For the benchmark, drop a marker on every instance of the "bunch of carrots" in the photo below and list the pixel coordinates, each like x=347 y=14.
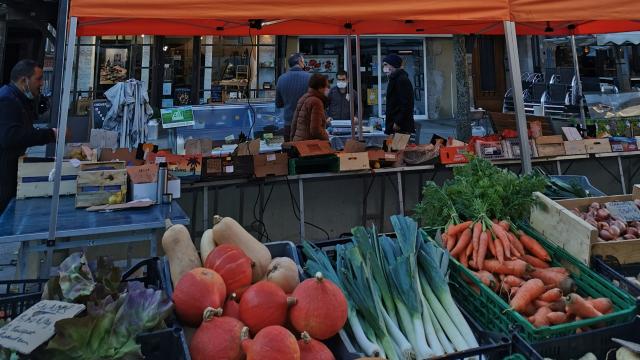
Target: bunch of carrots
x=517 y=267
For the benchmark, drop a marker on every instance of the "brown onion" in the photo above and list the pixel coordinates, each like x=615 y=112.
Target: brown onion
x=614 y=231
x=633 y=231
x=606 y=235
x=620 y=225
x=594 y=205
x=602 y=214
x=603 y=225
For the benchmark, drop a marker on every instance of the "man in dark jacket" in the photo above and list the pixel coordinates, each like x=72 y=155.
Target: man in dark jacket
x=290 y=88
x=399 y=111
x=339 y=98
x=17 y=114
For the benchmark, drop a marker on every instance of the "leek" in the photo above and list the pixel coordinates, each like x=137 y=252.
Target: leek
x=428 y=322
x=446 y=344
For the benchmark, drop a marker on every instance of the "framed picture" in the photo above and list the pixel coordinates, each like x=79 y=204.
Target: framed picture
x=113 y=65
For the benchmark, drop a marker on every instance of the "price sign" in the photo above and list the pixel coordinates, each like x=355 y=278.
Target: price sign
x=624 y=210
x=36 y=325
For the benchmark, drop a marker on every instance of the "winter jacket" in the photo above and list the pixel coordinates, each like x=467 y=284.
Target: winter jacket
x=339 y=108
x=289 y=89
x=309 y=119
x=399 y=103
x=17 y=114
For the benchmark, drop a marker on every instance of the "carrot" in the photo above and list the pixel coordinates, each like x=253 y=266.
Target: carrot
x=534 y=261
x=464 y=260
x=528 y=292
x=534 y=247
x=491 y=242
x=539 y=303
x=504 y=224
x=462 y=243
x=499 y=250
x=487 y=278
x=513 y=291
x=512 y=267
x=482 y=250
x=475 y=239
x=549 y=277
x=455 y=230
x=451 y=242
x=512 y=280
x=501 y=234
x=445 y=240
x=557 y=305
x=515 y=254
x=515 y=242
x=560 y=270
x=539 y=319
x=551 y=295
x=580 y=307
x=529 y=310
x=556 y=317
x=603 y=305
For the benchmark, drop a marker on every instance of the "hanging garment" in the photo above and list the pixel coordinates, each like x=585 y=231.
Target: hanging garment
x=129 y=112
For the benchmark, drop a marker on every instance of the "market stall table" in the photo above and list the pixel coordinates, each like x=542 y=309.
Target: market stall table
x=372 y=139
x=26 y=221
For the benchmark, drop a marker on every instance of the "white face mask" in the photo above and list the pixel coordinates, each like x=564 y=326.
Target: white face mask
x=341 y=84
x=27 y=91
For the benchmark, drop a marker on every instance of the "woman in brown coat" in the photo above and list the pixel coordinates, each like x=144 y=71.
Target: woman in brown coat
x=309 y=119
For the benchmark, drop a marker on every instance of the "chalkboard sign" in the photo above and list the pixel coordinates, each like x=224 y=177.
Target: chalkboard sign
x=624 y=210
x=99 y=111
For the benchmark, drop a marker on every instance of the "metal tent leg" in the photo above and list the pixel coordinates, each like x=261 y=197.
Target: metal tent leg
x=301 y=195
x=518 y=99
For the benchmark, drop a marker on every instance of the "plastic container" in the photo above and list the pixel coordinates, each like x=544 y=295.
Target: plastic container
x=617 y=273
x=495 y=314
x=283 y=249
x=152 y=129
x=492 y=345
x=583 y=181
x=167 y=344
x=597 y=342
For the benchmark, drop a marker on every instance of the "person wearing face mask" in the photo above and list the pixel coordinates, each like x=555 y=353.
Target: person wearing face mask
x=310 y=119
x=399 y=110
x=290 y=88
x=17 y=115
x=339 y=98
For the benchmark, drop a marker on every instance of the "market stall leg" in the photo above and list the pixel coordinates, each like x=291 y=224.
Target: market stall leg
x=622 y=181
x=400 y=194
x=301 y=202
x=205 y=208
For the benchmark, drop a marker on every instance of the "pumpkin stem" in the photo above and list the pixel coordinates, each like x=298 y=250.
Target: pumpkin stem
x=291 y=301
x=217 y=219
x=319 y=276
x=253 y=264
x=244 y=334
x=167 y=224
x=305 y=337
x=209 y=313
x=233 y=297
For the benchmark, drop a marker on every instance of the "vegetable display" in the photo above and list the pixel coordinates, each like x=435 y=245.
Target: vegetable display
x=264 y=304
x=284 y=273
x=227 y=333
x=399 y=304
x=230 y=262
x=609 y=227
x=197 y=291
x=271 y=343
x=180 y=251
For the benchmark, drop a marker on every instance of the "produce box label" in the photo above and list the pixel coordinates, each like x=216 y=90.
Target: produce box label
x=36 y=325
x=624 y=210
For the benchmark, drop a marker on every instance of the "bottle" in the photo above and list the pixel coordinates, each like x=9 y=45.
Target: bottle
x=152 y=130
x=163 y=174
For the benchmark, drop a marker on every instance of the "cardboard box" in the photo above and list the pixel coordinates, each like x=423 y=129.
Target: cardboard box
x=549 y=146
x=622 y=144
x=308 y=148
x=556 y=222
x=552 y=139
x=211 y=167
x=597 y=146
x=354 y=161
x=575 y=147
x=276 y=164
x=33 y=178
x=148 y=190
x=178 y=165
x=490 y=149
x=126 y=155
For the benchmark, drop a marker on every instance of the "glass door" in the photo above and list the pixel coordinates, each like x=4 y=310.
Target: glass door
x=177 y=67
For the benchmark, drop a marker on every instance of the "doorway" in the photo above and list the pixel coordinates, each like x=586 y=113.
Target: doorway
x=489 y=84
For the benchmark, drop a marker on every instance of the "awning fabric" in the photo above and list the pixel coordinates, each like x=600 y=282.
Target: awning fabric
x=627 y=38
x=328 y=17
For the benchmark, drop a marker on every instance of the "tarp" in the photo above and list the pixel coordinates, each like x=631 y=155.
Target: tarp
x=627 y=38
x=287 y=17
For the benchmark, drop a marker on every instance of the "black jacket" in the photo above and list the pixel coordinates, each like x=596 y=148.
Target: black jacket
x=17 y=114
x=339 y=106
x=399 y=103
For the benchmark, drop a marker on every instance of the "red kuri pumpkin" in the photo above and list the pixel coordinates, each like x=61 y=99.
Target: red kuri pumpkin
x=311 y=349
x=232 y=264
x=271 y=343
x=231 y=307
x=321 y=308
x=196 y=291
x=217 y=338
x=264 y=304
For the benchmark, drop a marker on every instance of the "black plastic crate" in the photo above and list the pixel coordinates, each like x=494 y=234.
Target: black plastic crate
x=281 y=249
x=492 y=345
x=596 y=341
x=167 y=344
x=610 y=268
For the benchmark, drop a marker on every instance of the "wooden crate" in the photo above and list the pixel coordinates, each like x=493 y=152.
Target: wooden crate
x=556 y=221
x=33 y=178
x=597 y=146
x=575 y=147
x=270 y=165
x=552 y=145
x=97 y=182
x=354 y=161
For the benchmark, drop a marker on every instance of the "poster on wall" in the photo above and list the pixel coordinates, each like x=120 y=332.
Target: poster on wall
x=113 y=65
x=321 y=64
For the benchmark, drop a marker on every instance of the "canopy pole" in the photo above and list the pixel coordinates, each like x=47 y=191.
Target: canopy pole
x=63 y=114
x=350 y=65
x=576 y=67
x=61 y=38
x=518 y=98
x=359 y=78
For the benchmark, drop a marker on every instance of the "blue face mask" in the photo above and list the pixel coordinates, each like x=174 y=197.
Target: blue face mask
x=27 y=91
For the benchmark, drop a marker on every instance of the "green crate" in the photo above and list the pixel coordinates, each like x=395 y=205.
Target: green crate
x=494 y=313
x=515 y=357
x=314 y=164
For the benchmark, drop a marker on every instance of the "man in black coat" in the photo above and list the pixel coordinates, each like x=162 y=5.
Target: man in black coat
x=17 y=114
x=399 y=111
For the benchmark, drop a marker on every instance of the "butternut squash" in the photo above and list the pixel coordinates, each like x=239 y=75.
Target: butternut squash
x=180 y=251
x=284 y=272
x=227 y=231
x=206 y=245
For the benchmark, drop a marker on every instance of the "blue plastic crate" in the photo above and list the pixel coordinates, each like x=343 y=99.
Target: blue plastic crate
x=617 y=273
